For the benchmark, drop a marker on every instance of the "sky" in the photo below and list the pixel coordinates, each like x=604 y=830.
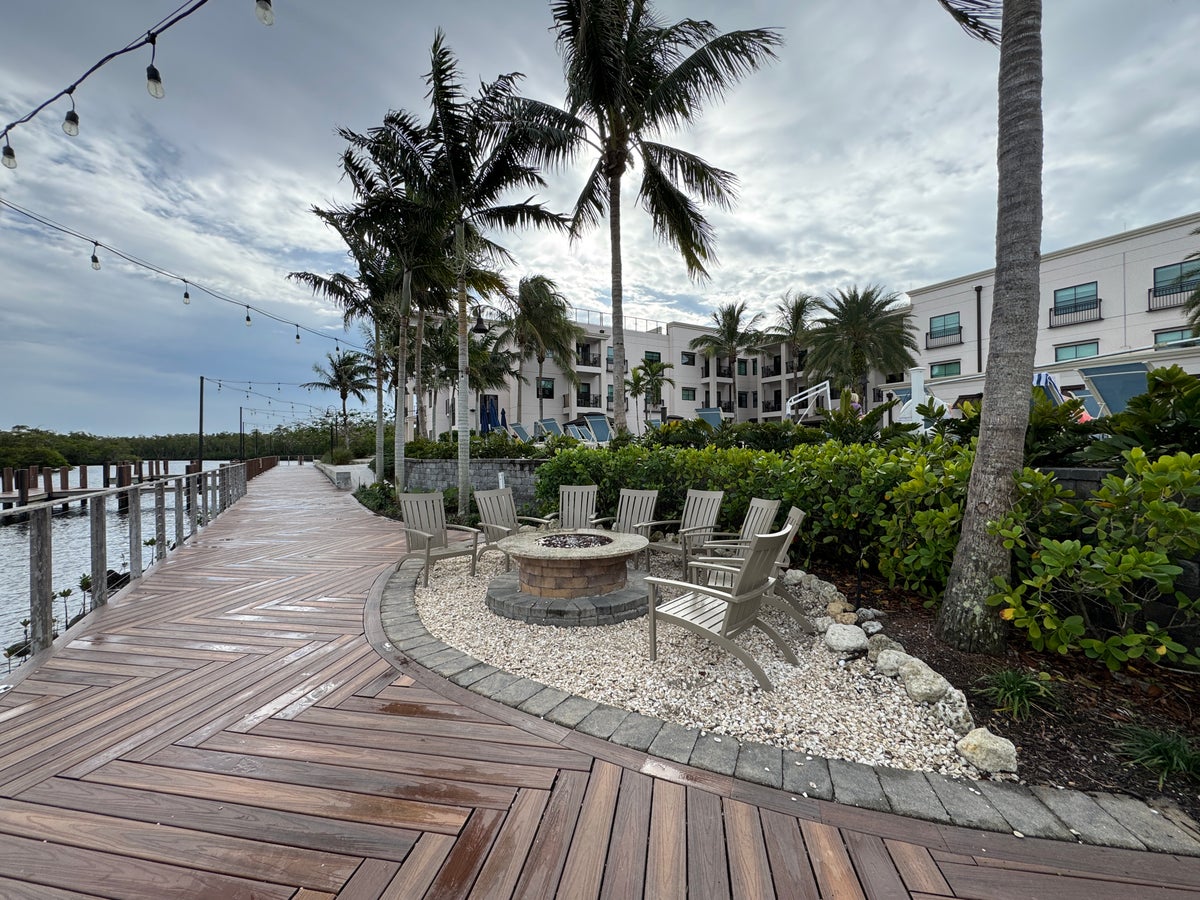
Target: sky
x=865 y=154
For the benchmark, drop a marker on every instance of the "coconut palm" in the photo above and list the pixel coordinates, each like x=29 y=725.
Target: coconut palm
x=654 y=378
x=538 y=325
x=629 y=77
x=348 y=375
x=793 y=315
x=1192 y=306
x=731 y=336
x=965 y=620
x=484 y=147
x=862 y=330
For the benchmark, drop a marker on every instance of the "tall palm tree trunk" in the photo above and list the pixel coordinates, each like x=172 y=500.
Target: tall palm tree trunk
x=464 y=435
x=520 y=386
x=420 y=428
x=379 y=373
x=965 y=621
x=618 y=315
x=401 y=436
x=541 y=400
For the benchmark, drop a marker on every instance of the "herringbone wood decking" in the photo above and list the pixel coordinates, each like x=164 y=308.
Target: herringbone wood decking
x=226 y=730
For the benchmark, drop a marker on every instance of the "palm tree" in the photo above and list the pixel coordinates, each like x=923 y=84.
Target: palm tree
x=629 y=77
x=538 y=325
x=730 y=338
x=654 y=377
x=349 y=375
x=965 y=621
x=1192 y=306
x=635 y=385
x=483 y=147
x=793 y=312
x=863 y=330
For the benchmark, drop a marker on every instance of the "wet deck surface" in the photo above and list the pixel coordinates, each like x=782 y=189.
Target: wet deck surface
x=225 y=729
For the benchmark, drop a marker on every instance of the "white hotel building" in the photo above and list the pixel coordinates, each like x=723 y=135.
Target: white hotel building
x=1110 y=302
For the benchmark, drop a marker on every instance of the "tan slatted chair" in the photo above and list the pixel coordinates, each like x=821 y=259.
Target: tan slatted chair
x=719 y=614
x=700 y=511
x=498 y=518
x=427 y=534
x=635 y=511
x=576 y=506
x=760 y=516
x=780 y=597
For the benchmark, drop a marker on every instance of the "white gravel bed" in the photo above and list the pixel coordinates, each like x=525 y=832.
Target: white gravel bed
x=823 y=706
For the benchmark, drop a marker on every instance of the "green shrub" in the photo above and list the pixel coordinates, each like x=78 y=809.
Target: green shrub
x=340 y=456
x=1165 y=419
x=379 y=497
x=1162 y=752
x=1017 y=692
x=1069 y=595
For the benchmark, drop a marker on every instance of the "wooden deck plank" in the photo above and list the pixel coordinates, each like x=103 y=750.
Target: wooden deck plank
x=626 y=875
x=499 y=874
x=918 y=868
x=370 y=881
x=749 y=869
x=467 y=856
x=546 y=859
x=666 y=858
x=877 y=873
x=790 y=869
x=584 y=868
x=830 y=861
x=177 y=846
x=707 y=858
x=420 y=867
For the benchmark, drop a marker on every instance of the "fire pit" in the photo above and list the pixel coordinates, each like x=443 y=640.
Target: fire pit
x=569 y=578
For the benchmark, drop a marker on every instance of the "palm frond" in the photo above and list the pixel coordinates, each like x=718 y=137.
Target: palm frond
x=978 y=18
x=676 y=219
x=711 y=184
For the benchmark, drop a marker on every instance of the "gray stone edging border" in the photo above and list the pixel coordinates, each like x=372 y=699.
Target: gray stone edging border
x=1106 y=820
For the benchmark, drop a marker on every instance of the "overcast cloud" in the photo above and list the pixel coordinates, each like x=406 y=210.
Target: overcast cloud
x=866 y=153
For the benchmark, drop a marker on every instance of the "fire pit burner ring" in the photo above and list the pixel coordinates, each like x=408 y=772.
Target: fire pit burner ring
x=569 y=540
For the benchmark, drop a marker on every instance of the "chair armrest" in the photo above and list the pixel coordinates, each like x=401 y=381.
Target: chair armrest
x=724 y=537
x=660 y=522
x=533 y=520
x=688 y=587
x=602 y=519
x=426 y=538
x=494 y=531
x=696 y=529
x=466 y=528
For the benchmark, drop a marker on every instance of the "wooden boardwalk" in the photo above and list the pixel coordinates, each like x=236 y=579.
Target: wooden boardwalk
x=226 y=730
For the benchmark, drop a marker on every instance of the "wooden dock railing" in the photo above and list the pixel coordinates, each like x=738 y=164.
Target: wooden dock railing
x=199 y=497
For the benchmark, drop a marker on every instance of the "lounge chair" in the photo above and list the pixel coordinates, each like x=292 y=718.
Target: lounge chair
x=700 y=511
x=427 y=534
x=601 y=430
x=580 y=435
x=520 y=433
x=548 y=427
x=635 y=511
x=710 y=414
x=498 y=518
x=576 y=506
x=719 y=614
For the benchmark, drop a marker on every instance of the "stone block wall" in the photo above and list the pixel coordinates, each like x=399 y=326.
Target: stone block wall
x=439 y=474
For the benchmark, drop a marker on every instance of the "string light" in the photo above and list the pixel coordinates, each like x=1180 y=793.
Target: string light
x=95 y=258
x=154 y=80
x=9 y=155
x=247 y=316
x=187 y=298
x=71 y=121
x=262 y=9
x=297 y=334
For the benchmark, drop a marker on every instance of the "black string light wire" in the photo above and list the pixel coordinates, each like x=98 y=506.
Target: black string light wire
x=188 y=283
x=262 y=9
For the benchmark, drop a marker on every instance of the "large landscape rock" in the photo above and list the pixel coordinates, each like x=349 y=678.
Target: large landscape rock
x=845 y=639
x=880 y=642
x=888 y=662
x=988 y=752
x=922 y=684
x=954 y=712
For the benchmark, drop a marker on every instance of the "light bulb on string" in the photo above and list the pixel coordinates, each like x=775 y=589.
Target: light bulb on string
x=10 y=155
x=187 y=298
x=153 y=79
x=297 y=334
x=262 y=9
x=247 y=316
x=95 y=257
x=71 y=121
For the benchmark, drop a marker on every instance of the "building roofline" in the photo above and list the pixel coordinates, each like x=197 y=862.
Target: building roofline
x=1189 y=219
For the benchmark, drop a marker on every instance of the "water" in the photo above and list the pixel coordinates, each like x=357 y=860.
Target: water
x=72 y=553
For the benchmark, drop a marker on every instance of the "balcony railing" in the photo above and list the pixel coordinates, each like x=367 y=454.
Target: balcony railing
x=727 y=406
x=945 y=337
x=587 y=401
x=724 y=372
x=771 y=406
x=587 y=359
x=769 y=371
x=1158 y=299
x=1075 y=314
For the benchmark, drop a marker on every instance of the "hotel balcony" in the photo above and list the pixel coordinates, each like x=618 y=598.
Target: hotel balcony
x=946 y=337
x=1075 y=314
x=1161 y=298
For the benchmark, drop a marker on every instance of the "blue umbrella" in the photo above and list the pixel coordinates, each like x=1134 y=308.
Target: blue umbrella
x=485 y=419
x=503 y=419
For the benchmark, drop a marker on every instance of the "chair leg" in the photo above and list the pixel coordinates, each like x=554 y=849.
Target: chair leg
x=779 y=641
x=747 y=660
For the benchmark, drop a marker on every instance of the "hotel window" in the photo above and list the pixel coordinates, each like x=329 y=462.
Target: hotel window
x=1177 y=278
x=689 y=395
x=1175 y=334
x=706 y=399
x=652 y=356
x=545 y=388
x=743 y=399
x=1068 y=352
x=945 y=369
x=754 y=366
x=943 y=326
x=687 y=358
x=741 y=367
x=1075 y=299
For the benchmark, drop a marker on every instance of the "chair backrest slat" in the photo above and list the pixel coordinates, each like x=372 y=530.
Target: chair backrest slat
x=577 y=505
x=633 y=508
x=519 y=430
x=795 y=517
x=754 y=573
x=497 y=508
x=700 y=509
x=760 y=516
x=598 y=424
x=549 y=426
x=425 y=512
